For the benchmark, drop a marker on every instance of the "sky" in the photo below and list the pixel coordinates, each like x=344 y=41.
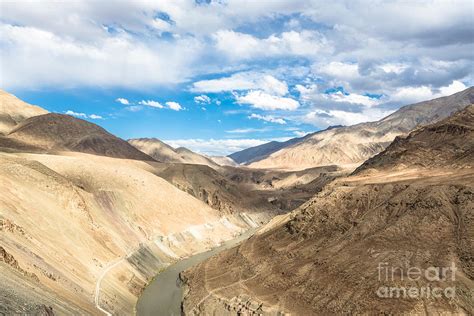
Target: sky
x=221 y=76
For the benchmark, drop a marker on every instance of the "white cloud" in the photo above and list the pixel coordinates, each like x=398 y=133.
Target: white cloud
x=264 y=101
x=339 y=70
x=242 y=81
x=246 y=130
x=408 y=95
x=202 y=99
x=175 y=106
x=76 y=114
x=154 y=104
x=454 y=87
x=83 y=115
x=299 y=133
x=325 y=118
x=218 y=147
x=352 y=98
x=395 y=68
x=244 y=46
x=122 y=101
x=32 y=57
x=267 y=118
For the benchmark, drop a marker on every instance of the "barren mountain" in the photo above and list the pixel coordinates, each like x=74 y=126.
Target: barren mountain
x=325 y=257
x=446 y=143
x=215 y=189
x=58 y=132
x=79 y=231
x=224 y=161
x=14 y=111
x=165 y=153
x=354 y=144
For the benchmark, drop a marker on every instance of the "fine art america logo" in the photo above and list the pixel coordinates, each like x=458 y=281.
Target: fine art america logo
x=432 y=277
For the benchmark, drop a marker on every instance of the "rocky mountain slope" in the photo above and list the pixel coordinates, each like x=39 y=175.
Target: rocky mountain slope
x=446 y=143
x=335 y=254
x=165 y=153
x=58 y=132
x=354 y=144
x=14 y=111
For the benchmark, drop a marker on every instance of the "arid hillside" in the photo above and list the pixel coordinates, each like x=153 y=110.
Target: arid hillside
x=165 y=153
x=449 y=143
x=86 y=219
x=353 y=145
x=57 y=132
x=66 y=219
x=331 y=255
x=83 y=233
x=14 y=111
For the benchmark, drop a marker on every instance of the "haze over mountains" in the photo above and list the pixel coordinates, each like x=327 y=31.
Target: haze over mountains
x=352 y=145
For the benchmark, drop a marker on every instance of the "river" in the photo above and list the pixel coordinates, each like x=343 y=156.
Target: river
x=164 y=294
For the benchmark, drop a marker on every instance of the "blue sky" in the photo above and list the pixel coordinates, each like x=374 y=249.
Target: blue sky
x=220 y=76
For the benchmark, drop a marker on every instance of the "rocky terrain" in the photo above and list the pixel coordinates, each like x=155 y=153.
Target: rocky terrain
x=353 y=145
x=410 y=206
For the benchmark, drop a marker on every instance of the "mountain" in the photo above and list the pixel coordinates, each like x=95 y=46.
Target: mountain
x=14 y=111
x=58 y=132
x=165 y=153
x=216 y=190
x=410 y=207
x=449 y=142
x=259 y=152
x=83 y=231
x=224 y=161
x=354 y=144
x=73 y=224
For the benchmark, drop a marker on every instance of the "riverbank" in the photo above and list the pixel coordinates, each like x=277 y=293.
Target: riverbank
x=164 y=293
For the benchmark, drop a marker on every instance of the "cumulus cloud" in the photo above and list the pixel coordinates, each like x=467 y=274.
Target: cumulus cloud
x=244 y=46
x=202 y=99
x=122 y=101
x=264 y=101
x=242 y=81
x=154 y=104
x=267 y=118
x=84 y=115
x=48 y=59
x=175 y=106
x=324 y=118
x=422 y=93
x=400 y=50
x=339 y=70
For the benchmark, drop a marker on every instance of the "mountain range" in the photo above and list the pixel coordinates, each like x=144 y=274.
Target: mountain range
x=351 y=145
x=87 y=219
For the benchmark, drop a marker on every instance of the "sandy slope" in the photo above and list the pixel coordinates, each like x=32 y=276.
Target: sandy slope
x=14 y=111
